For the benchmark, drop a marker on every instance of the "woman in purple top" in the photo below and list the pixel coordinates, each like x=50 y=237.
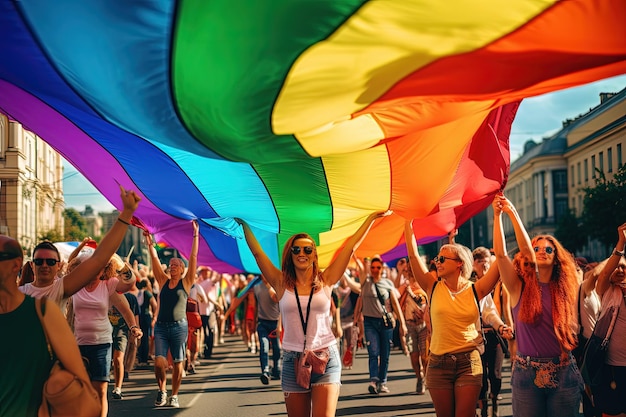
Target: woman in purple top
x=542 y=283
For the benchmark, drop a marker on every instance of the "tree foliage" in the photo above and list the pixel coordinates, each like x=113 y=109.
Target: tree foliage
x=52 y=235
x=570 y=232
x=604 y=207
x=75 y=226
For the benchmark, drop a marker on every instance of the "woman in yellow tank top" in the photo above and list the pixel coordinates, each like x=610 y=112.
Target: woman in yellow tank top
x=454 y=373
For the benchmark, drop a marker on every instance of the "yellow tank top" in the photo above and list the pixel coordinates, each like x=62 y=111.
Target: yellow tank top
x=454 y=318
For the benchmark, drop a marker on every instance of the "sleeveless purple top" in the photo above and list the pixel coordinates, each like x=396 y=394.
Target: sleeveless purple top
x=537 y=340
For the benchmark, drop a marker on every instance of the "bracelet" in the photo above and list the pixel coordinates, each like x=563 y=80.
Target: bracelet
x=119 y=219
x=618 y=253
x=134 y=327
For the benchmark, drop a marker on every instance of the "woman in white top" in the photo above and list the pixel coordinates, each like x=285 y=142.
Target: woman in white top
x=304 y=294
x=92 y=327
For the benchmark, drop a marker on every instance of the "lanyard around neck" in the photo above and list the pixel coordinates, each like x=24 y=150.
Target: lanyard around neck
x=308 y=310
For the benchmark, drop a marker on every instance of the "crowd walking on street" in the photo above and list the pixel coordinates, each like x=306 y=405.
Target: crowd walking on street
x=456 y=319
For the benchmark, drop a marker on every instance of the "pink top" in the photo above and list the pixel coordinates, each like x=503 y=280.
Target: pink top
x=91 y=314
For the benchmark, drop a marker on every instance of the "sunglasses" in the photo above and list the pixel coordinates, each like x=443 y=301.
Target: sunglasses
x=548 y=249
x=6 y=256
x=125 y=273
x=307 y=249
x=441 y=259
x=49 y=261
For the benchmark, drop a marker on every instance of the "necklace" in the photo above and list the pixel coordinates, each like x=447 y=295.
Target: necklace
x=463 y=287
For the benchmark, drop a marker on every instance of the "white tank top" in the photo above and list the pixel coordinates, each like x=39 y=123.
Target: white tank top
x=319 y=333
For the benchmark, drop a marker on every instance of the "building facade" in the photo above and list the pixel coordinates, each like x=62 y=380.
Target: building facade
x=31 y=185
x=549 y=178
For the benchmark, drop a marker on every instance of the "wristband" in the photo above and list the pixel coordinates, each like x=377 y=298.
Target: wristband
x=119 y=219
x=618 y=253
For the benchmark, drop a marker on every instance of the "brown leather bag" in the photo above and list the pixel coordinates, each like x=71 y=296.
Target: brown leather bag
x=65 y=394
x=311 y=362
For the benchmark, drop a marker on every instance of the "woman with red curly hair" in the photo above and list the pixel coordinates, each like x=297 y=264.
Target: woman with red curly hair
x=542 y=283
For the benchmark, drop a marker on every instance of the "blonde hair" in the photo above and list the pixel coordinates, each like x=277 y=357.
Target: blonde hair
x=464 y=254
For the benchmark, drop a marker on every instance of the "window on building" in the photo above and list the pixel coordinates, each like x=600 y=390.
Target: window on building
x=571 y=174
x=618 y=151
x=593 y=166
x=559 y=178
x=609 y=160
x=601 y=161
x=578 y=172
x=586 y=169
x=560 y=208
x=579 y=206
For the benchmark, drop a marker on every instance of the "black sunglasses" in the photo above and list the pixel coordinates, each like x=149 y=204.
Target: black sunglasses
x=49 y=261
x=549 y=249
x=441 y=259
x=6 y=256
x=307 y=249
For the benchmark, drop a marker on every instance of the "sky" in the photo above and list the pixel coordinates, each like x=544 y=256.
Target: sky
x=536 y=118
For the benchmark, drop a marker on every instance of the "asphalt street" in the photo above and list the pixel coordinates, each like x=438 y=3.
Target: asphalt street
x=228 y=385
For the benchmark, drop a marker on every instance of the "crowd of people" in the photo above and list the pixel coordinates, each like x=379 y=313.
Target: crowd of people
x=456 y=316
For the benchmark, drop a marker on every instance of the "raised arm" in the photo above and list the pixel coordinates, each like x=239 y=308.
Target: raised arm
x=190 y=276
x=337 y=267
x=590 y=278
x=485 y=285
x=507 y=272
x=76 y=251
x=91 y=267
x=424 y=278
x=351 y=283
x=272 y=274
x=604 y=278
x=159 y=275
x=521 y=235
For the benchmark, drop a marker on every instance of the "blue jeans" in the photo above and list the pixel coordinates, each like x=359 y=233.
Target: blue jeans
x=264 y=328
x=379 y=341
x=171 y=336
x=544 y=387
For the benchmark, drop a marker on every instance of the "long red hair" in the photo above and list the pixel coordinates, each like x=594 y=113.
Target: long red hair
x=563 y=288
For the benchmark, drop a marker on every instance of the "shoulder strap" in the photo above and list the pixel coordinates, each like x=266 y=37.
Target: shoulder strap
x=477 y=300
x=40 y=308
x=430 y=303
x=480 y=313
x=380 y=297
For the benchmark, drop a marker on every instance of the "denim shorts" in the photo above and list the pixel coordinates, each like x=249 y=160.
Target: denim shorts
x=454 y=370
x=171 y=336
x=331 y=376
x=99 y=361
